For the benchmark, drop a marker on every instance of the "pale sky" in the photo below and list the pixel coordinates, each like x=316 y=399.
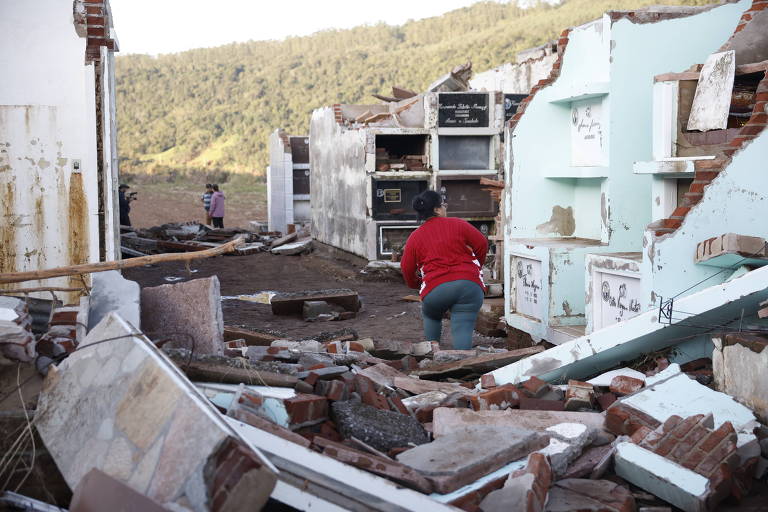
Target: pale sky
x=165 y=26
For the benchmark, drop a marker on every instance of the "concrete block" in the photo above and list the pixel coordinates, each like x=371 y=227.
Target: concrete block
x=293 y=303
x=661 y=477
x=111 y=292
x=315 y=308
x=189 y=313
x=457 y=459
x=739 y=362
x=383 y=430
x=382 y=374
x=448 y=420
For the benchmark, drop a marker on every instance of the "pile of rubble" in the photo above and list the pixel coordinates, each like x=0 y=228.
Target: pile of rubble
x=163 y=410
x=192 y=236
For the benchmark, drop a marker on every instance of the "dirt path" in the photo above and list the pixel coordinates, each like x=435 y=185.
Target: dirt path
x=384 y=315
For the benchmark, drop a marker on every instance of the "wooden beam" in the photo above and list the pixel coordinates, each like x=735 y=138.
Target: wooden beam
x=40 y=289
x=89 y=268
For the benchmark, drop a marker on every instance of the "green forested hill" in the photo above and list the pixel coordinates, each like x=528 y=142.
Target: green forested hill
x=213 y=109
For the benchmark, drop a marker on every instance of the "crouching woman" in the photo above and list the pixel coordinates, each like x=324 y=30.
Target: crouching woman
x=444 y=259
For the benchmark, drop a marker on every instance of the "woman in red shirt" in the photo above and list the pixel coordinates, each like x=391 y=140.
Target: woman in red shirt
x=444 y=258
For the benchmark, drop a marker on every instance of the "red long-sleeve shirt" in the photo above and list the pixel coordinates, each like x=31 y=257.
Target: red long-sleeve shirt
x=443 y=249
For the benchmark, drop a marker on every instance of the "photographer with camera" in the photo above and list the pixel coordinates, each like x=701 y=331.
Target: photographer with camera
x=125 y=204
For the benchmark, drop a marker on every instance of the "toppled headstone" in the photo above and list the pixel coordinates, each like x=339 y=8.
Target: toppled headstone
x=111 y=292
x=121 y=407
x=188 y=313
x=300 y=247
x=383 y=430
x=459 y=458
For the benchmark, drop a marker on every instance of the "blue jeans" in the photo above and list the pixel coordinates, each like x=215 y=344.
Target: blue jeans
x=464 y=299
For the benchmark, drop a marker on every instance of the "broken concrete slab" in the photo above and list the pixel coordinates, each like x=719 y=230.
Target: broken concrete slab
x=477 y=364
x=604 y=379
x=293 y=303
x=459 y=458
x=589 y=496
x=672 y=392
x=111 y=292
x=376 y=464
x=663 y=478
x=383 y=430
x=382 y=374
x=525 y=489
x=188 y=313
x=729 y=249
x=603 y=349
x=122 y=407
x=419 y=386
x=299 y=247
x=447 y=420
x=566 y=442
x=739 y=364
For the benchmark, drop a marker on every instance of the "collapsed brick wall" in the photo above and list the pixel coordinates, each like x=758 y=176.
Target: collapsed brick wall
x=705 y=171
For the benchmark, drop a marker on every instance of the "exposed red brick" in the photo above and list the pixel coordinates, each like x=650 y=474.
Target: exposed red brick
x=701 y=176
x=535 y=387
x=751 y=130
x=606 y=400
x=624 y=385
x=680 y=211
x=487 y=381
x=717 y=436
x=538 y=404
x=304 y=408
x=502 y=397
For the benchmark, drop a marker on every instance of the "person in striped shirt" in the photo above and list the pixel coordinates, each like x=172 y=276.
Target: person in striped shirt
x=444 y=259
x=206 y=199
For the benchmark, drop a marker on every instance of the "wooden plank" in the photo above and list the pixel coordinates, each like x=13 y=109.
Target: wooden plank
x=211 y=372
x=88 y=268
x=252 y=338
x=418 y=386
x=480 y=364
x=673 y=77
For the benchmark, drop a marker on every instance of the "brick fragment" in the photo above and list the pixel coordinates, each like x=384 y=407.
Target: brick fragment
x=623 y=385
x=535 y=387
x=538 y=404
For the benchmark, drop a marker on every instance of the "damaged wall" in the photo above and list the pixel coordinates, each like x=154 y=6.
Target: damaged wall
x=735 y=201
x=48 y=152
x=584 y=188
x=338 y=184
x=279 y=182
x=47 y=133
x=514 y=78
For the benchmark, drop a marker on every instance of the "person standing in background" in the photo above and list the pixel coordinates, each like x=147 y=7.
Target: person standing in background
x=206 y=199
x=124 y=202
x=217 y=207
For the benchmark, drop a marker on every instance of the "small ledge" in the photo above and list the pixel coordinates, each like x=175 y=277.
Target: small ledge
x=673 y=167
x=583 y=91
x=401 y=174
x=578 y=172
x=468 y=172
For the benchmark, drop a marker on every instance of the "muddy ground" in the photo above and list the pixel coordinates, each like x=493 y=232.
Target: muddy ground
x=384 y=314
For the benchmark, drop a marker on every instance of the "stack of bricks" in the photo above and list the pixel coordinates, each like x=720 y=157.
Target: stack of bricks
x=16 y=339
x=693 y=444
x=230 y=475
x=61 y=336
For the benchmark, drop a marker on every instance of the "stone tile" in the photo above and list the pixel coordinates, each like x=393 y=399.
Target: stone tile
x=188 y=312
x=149 y=428
x=147 y=405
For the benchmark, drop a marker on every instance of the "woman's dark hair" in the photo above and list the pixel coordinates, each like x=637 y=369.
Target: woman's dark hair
x=426 y=202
